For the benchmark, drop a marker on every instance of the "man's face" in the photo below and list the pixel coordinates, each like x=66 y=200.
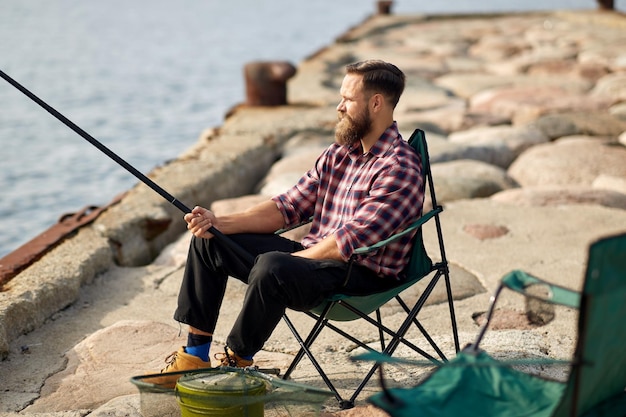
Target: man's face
x=353 y=112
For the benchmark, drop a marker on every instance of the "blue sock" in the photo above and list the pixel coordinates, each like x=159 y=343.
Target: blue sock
x=199 y=345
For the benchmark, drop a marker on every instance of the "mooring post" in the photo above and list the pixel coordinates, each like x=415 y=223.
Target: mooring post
x=266 y=82
x=606 y=4
x=384 y=6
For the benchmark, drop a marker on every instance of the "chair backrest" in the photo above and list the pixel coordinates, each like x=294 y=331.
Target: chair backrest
x=599 y=370
x=420 y=263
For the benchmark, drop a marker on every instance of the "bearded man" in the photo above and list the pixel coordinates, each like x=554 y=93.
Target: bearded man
x=363 y=188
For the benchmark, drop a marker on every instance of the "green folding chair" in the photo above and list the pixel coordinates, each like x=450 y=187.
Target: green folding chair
x=475 y=384
x=342 y=308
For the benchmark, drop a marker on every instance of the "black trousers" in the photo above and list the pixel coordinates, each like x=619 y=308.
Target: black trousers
x=276 y=281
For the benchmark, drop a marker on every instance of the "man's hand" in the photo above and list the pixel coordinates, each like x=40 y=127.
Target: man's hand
x=262 y=218
x=199 y=221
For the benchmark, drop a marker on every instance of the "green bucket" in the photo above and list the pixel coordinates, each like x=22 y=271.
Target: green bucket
x=223 y=394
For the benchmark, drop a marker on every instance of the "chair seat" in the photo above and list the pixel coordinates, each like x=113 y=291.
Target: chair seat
x=365 y=304
x=486 y=387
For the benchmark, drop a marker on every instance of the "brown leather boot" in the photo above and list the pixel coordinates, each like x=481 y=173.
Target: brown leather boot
x=176 y=362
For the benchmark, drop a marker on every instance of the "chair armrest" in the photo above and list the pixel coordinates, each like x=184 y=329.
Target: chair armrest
x=521 y=282
x=412 y=227
x=526 y=284
x=286 y=229
x=367 y=249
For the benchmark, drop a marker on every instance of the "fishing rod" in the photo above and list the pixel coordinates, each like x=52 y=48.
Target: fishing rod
x=154 y=186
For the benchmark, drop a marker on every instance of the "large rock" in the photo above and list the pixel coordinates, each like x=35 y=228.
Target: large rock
x=525 y=104
x=612 y=86
x=590 y=71
x=619 y=111
x=465 y=285
x=287 y=171
x=305 y=142
x=467 y=85
x=440 y=149
x=124 y=406
x=608 y=182
x=447 y=117
x=494 y=48
x=499 y=145
x=51 y=284
x=457 y=180
x=99 y=368
x=580 y=123
x=609 y=52
x=569 y=162
x=559 y=195
x=521 y=63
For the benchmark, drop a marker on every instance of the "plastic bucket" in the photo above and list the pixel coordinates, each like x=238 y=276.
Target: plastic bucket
x=223 y=394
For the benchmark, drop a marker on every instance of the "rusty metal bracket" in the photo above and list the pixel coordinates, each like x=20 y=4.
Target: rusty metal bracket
x=24 y=256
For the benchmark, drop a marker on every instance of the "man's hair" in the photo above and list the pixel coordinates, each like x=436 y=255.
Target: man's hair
x=380 y=77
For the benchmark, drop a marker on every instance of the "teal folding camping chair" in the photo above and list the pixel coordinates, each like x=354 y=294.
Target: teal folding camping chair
x=474 y=384
x=342 y=308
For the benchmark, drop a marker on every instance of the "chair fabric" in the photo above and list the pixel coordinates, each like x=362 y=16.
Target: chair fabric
x=601 y=331
x=474 y=384
x=341 y=308
x=419 y=266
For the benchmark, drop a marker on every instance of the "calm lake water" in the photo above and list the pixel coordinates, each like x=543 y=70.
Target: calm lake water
x=144 y=78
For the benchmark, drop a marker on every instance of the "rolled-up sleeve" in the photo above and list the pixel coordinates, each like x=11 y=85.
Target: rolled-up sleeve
x=297 y=204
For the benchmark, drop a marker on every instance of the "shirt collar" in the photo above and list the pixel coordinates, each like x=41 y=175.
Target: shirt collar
x=386 y=140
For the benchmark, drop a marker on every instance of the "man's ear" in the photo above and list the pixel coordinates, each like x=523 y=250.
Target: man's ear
x=377 y=102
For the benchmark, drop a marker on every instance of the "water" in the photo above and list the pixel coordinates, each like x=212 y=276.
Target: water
x=144 y=77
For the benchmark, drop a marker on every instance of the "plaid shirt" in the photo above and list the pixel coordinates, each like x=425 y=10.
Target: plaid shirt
x=361 y=198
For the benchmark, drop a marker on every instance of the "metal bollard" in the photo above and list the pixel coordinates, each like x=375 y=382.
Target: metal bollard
x=384 y=6
x=606 y=4
x=266 y=82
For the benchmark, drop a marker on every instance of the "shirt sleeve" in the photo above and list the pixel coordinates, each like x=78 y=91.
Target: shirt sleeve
x=298 y=203
x=394 y=200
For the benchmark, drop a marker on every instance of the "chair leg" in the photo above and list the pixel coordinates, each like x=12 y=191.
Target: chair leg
x=364 y=382
x=442 y=268
x=398 y=337
x=304 y=349
x=304 y=345
x=422 y=330
x=387 y=348
x=383 y=329
x=381 y=335
x=417 y=308
x=455 y=330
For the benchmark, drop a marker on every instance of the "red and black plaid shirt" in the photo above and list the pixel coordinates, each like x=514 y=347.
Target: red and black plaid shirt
x=361 y=198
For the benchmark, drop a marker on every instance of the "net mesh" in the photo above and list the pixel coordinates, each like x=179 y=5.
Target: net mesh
x=280 y=398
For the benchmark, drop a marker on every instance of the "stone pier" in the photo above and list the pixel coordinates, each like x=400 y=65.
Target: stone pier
x=525 y=116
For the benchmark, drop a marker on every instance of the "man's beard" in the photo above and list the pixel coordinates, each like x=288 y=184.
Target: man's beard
x=349 y=131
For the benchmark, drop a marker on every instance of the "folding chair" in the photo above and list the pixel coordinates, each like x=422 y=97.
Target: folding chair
x=474 y=384
x=341 y=308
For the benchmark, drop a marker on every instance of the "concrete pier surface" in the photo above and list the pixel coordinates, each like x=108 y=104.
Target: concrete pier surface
x=525 y=116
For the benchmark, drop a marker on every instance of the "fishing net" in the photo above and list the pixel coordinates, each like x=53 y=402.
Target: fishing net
x=227 y=392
